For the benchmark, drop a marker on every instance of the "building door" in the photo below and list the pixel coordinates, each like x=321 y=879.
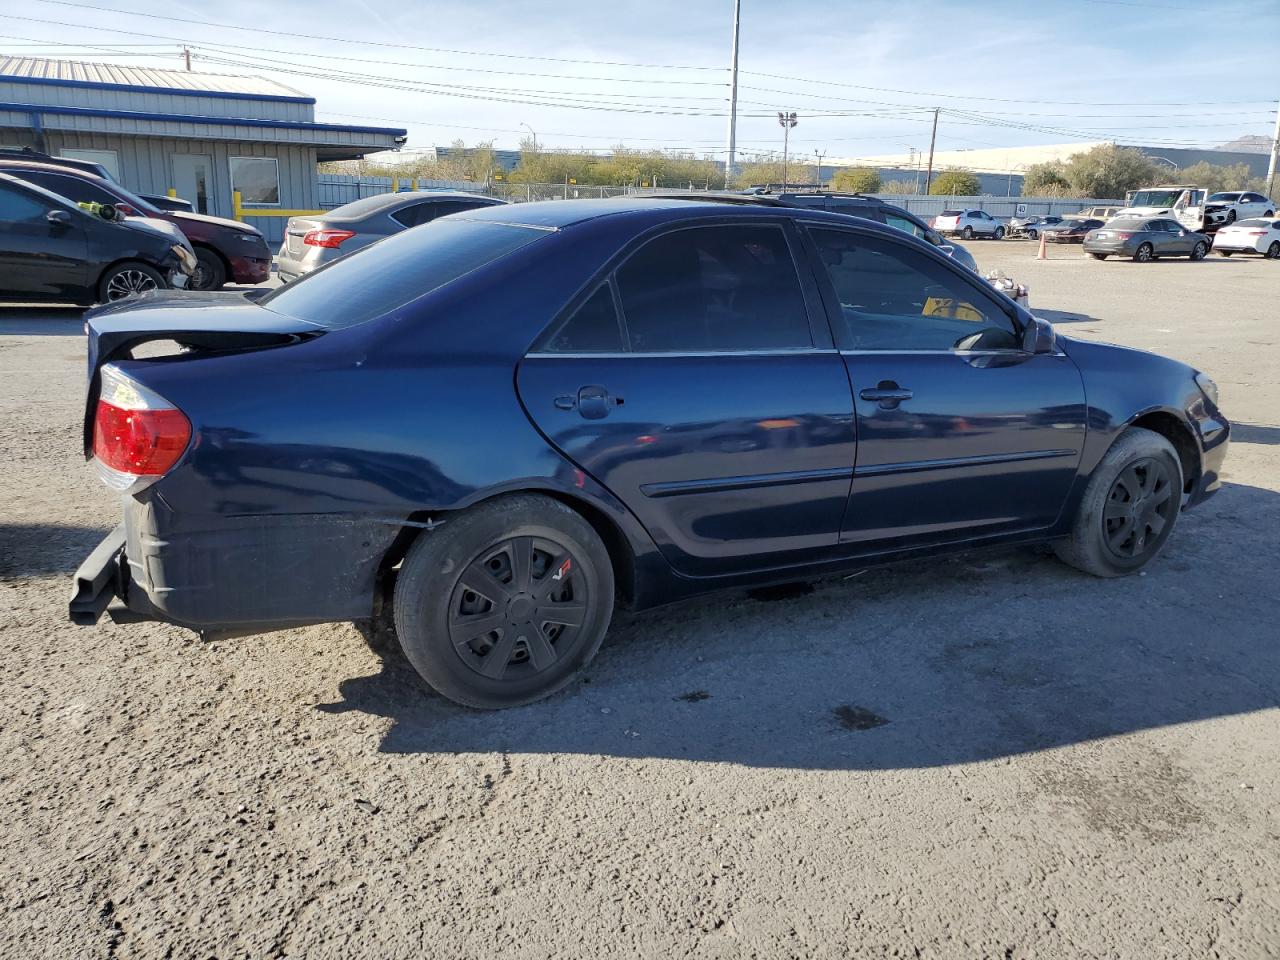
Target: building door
x=193 y=179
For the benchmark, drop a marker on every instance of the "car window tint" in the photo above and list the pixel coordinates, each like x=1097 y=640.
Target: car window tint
x=592 y=328
x=379 y=279
x=73 y=188
x=895 y=298
x=415 y=214
x=15 y=205
x=723 y=288
x=902 y=223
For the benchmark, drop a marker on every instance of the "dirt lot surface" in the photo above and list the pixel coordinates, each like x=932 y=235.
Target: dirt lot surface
x=991 y=756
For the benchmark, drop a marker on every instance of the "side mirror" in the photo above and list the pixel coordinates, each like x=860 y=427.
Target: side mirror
x=126 y=209
x=1038 y=337
x=59 y=218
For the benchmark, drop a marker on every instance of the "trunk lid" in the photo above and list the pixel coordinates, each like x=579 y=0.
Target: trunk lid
x=202 y=323
x=295 y=230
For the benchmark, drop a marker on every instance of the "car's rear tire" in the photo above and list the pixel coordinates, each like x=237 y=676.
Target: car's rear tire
x=1129 y=508
x=1273 y=251
x=504 y=603
x=127 y=279
x=967 y=233
x=1145 y=253
x=1098 y=256
x=1225 y=253
x=210 y=273
x=1199 y=250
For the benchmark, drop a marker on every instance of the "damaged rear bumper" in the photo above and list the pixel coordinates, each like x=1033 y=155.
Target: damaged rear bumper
x=220 y=575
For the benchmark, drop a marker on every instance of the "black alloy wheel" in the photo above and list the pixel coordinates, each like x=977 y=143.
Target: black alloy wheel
x=1273 y=251
x=504 y=603
x=1145 y=253
x=518 y=607
x=1139 y=506
x=1199 y=250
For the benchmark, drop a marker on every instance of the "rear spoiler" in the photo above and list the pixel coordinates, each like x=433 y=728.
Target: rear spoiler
x=200 y=323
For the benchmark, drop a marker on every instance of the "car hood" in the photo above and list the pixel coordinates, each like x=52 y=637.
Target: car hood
x=216 y=222
x=155 y=225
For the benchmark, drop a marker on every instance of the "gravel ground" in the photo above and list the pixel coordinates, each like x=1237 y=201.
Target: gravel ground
x=991 y=756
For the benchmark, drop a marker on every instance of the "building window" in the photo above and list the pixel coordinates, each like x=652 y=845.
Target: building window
x=257 y=179
x=109 y=159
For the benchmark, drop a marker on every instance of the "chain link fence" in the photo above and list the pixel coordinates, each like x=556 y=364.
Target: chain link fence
x=337 y=189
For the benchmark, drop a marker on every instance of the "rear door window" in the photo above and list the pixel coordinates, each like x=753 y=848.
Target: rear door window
x=373 y=282
x=73 y=188
x=593 y=328
x=902 y=223
x=730 y=288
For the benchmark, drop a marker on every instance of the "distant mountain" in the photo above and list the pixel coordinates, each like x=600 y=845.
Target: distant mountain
x=1248 y=144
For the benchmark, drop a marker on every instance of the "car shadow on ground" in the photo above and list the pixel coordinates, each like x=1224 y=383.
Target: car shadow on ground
x=940 y=662
x=1255 y=433
x=38 y=549
x=37 y=321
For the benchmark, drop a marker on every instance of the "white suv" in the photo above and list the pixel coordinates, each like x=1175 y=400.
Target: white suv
x=968 y=223
x=1239 y=204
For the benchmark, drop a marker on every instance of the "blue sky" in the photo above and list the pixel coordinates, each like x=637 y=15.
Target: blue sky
x=862 y=76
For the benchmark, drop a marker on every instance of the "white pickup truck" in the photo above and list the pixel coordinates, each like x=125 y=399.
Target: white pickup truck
x=1185 y=203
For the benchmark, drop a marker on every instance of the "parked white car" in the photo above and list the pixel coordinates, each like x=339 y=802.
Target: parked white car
x=1238 y=204
x=1255 y=235
x=968 y=223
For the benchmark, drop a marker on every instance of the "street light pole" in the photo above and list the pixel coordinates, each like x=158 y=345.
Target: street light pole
x=933 y=139
x=1275 y=158
x=786 y=121
x=532 y=133
x=820 y=155
x=733 y=95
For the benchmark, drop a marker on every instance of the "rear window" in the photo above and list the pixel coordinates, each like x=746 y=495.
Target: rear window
x=952 y=213
x=372 y=282
x=1253 y=222
x=1127 y=224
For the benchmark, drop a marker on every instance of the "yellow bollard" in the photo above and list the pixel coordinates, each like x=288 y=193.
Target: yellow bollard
x=395 y=184
x=172 y=193
x=237 y=210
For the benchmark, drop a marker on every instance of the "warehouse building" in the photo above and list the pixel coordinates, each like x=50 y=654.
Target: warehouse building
x=202 y=135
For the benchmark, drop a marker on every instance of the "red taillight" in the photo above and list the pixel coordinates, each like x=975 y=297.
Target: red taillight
x=1256 y=233
x=1122 y=236
x=326 y=238
x=137 y=434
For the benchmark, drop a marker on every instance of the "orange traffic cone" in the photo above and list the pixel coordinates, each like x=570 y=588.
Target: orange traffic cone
x=1041 y=255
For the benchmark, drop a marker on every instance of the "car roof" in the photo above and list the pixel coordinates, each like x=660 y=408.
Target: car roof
x=33 y=188
x=39 y=167
x=655 y=210
x=390 y=202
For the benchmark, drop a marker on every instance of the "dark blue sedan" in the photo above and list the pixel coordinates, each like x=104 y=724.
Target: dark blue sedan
x=504 y=422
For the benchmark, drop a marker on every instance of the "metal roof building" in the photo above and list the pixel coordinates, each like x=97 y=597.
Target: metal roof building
x=202 y=135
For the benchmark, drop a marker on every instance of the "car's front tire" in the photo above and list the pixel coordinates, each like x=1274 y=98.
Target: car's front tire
x=1129 y=508
x=999 y=233
x=504 y=603
x=129 y=279
x=1199 y=250
x=1031 y=234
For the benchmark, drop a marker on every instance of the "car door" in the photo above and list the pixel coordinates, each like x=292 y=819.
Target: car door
x=40 y=258
x=1175 y=239
x=695 y=382
x=961 y=433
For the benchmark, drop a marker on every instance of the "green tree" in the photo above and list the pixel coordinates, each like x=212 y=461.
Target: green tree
x=1211 y=176
x=856 y=180
x=956 y=183
x=1046 y=180
x=1109 y=171
x=769 y=171
x=907 y=187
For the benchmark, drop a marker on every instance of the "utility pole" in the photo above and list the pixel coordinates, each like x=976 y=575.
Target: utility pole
x=786 y=121
x=1275 y=157
x=820 y=155
x=933 y=139
x=186 y=53
x=733 y=95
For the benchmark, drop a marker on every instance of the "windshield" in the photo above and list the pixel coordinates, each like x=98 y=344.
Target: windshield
x=1225 y=197
x=1155 y=198
x=380 y=278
